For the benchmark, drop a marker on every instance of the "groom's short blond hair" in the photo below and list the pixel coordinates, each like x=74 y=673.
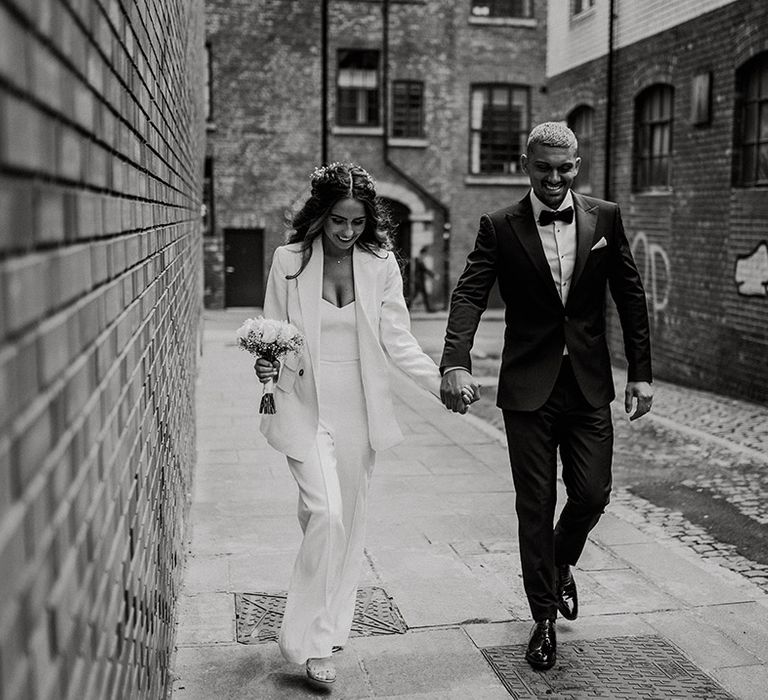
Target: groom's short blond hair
x=554 y=134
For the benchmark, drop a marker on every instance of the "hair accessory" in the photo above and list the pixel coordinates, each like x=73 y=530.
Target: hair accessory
x=347 y=174
x=322 y=172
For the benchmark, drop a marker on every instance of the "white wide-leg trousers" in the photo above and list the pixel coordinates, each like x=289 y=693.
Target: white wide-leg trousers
x=333 y=489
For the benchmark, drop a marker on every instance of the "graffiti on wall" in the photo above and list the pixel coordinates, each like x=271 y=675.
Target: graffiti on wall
x=751 y=273
x=656 y=270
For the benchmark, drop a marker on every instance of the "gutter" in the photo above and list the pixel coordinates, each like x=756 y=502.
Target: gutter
x=609 y=103
x=324 y=82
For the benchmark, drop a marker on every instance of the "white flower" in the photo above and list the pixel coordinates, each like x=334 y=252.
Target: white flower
x=269 y=332
x=269 y=338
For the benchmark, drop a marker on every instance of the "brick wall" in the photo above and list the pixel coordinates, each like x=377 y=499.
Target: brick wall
x=687 y=241
x=264 y=131
x=100 y=291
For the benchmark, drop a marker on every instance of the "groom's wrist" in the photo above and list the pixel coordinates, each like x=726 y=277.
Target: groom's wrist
x=453 y=369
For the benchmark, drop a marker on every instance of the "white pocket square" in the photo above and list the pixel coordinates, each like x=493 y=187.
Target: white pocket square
x=600 y=244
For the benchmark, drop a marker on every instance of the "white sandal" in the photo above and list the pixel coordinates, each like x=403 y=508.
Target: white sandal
x=321 y=671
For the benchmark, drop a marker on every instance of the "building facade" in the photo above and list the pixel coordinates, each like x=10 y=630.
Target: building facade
x=670 y=102
x=434 y=97
x=101 y=168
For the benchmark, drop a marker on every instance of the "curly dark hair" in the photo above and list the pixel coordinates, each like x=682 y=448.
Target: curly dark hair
x=330 y=184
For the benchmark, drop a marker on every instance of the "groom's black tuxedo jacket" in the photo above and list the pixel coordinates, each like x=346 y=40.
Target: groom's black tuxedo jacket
x=508 y=249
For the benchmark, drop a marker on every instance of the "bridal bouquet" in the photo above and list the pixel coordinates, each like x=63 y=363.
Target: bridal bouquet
x=270 y=340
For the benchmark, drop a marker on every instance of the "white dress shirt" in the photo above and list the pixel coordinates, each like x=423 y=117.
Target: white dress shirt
x=559 y=242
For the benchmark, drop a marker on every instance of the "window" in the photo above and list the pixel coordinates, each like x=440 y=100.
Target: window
x=498 y=128
x=502 y=8
x=579 y=6
x=408 y=109
x=751 y=148
x=580 y=121
x=701 y=99
x=357 y=96
x=653 y=138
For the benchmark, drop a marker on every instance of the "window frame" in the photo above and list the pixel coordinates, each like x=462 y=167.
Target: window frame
x=647 y=129
x=419 y=131
x=495 y=7
x=753 y=71
x=584 y=6
x=521 y=134
x=366 y=99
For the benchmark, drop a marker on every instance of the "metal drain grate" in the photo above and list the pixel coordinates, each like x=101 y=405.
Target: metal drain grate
x=614 y=669
x=258 y=615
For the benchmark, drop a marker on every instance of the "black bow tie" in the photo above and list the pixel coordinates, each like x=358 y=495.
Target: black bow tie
x=547 y=217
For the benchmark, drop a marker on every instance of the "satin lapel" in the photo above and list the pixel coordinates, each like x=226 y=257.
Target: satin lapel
x=310 y=285
x=524 y=227
x=586 y=221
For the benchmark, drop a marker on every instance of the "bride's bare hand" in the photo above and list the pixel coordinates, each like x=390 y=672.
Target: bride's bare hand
x=266 y=370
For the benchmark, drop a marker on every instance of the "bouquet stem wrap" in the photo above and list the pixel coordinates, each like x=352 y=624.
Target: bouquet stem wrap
x=270 y=340
x=268 y=398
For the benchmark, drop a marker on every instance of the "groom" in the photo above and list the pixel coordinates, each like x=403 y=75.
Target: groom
x=553 y=254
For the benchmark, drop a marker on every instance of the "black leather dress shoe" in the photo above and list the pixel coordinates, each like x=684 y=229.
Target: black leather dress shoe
x=567 y=597
x=542 y=647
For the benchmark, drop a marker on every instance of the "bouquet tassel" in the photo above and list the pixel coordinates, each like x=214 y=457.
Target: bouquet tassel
x=267 y=399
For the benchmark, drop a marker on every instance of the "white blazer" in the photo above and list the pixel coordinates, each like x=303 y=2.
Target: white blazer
x=383 y=329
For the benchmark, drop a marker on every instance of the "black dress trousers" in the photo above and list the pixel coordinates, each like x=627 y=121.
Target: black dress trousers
x=584 y=436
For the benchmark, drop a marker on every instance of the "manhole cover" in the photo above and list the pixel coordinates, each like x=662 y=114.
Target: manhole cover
x=259 y=615
x=613 y=668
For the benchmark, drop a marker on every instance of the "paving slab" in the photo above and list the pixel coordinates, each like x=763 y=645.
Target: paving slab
x=703 y=643
x=205 y=619
x=431 y=586
x=392 y=486
x=619 y=591
x=744 y=682
x=597 y=557
x=612 y=530
x=500 y=574
x=246 y=672
x=745 y=623
x=265 y=571
x=680 y=577
x=206 y=574
x=434 y=663
x=441 y=528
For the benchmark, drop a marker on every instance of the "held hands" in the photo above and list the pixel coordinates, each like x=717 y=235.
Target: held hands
x=458 y=389
x=266 y=370
x=643 y=393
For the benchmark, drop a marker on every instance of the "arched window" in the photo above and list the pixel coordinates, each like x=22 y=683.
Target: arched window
x=751 y=132
x=581 y=121
x=653 y=138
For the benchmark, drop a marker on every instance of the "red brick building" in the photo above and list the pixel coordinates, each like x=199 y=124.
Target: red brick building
x=434 y=97
x=670 y=101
